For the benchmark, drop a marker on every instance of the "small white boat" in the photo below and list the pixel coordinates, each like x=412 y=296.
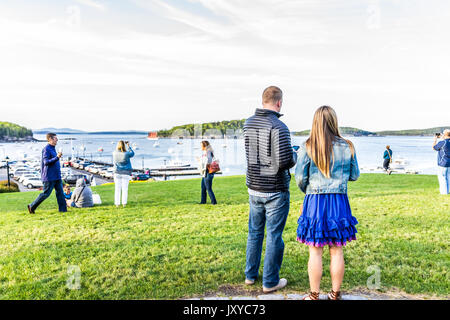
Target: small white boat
x=156 y=144
x=399 y=164
x=176 y=164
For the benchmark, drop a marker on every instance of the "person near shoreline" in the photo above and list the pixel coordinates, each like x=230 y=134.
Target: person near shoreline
x=50 y=175
x=122 y=172
x=387 y=159
x=443 y=149
x=207 y=177
x=269 y=157
x=326 y=162
x=81 y=196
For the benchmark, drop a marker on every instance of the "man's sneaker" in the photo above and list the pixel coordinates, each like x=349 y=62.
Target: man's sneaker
x=281 y=284
x=29 y=210
x=249 y=282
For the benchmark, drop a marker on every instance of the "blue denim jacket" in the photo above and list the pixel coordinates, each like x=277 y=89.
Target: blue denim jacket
x=122 y=162
x=344 y=168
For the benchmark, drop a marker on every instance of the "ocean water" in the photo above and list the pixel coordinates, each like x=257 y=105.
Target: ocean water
x=416 y=150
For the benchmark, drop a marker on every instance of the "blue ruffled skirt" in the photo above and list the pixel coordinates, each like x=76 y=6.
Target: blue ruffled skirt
x=326 y=220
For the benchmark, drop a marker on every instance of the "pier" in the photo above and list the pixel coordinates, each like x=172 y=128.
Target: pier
x=161 y=172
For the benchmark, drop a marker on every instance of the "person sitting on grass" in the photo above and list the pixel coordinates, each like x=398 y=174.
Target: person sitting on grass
x=67 y=192
x=81 y=196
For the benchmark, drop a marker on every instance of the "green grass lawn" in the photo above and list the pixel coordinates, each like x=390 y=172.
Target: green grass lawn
x=166 y=246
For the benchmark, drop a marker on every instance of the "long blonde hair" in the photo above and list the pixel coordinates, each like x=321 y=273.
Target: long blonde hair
x=324 y=131
x=121 y=146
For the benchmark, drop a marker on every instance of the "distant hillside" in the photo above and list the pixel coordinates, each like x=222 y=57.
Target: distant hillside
x=74 y=131
x=10 y=132
x=343 y=130
x=131 y=132
x=413 y=132
x=58 y=131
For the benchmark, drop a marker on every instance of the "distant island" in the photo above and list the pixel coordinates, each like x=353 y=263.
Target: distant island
x=221 y=127
x=413 y=132
x=11 y=132
x=74 y=131
x=343 y=130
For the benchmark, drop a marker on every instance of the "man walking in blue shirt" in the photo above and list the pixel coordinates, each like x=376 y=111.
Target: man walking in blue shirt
x=50 y=175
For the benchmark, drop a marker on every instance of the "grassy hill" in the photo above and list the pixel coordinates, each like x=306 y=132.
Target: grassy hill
x=166 y=246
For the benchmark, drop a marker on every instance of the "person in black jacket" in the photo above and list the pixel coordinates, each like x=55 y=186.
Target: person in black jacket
x=269 y=157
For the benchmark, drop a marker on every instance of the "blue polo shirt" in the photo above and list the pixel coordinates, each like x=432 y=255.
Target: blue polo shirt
x=443 y=149
x=50 y=166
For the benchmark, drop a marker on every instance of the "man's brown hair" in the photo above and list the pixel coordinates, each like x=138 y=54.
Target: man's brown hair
x=50 y=135
x=272 y=95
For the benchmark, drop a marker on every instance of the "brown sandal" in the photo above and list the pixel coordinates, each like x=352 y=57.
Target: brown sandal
x=312 y=296
x=334 y=295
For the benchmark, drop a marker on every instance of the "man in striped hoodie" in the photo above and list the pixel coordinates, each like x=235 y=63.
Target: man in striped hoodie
x=269 y=157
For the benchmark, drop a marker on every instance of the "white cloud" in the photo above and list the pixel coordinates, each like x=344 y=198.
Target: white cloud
x=212 y=64
x=92 y=4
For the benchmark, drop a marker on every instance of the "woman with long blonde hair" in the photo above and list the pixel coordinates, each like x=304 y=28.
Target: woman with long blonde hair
x=122 y=172
x=326 y=162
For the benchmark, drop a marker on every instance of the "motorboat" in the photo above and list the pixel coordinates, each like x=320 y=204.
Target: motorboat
x=399 y=164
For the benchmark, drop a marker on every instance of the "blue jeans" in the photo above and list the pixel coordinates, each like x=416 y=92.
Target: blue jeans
x=47 y=190
x=444 y=180
x=207 y=187
x=271 y=211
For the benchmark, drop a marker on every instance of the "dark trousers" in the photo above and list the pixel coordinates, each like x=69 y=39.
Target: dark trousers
x=46 y=192
x=207 y=187
x=386 y=164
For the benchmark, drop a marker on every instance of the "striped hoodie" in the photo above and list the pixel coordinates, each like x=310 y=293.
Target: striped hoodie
x=268 y=151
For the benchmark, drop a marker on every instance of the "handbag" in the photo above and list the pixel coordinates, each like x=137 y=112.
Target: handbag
x=214 y=166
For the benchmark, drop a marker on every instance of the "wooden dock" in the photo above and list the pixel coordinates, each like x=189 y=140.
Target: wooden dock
x=163 y=171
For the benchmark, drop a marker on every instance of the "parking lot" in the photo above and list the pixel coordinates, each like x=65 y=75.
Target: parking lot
x=22 y=188
x=26 y=173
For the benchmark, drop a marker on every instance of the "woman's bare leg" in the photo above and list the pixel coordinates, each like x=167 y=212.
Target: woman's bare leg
x=315 y=267
x=337 y=267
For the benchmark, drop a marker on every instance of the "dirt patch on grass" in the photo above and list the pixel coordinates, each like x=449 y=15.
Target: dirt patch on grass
x=363 y=293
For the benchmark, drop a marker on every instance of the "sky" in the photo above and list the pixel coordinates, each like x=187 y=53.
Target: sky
x=151 y=64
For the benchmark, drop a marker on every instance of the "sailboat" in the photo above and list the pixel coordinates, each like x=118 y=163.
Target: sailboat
x=156 y=144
